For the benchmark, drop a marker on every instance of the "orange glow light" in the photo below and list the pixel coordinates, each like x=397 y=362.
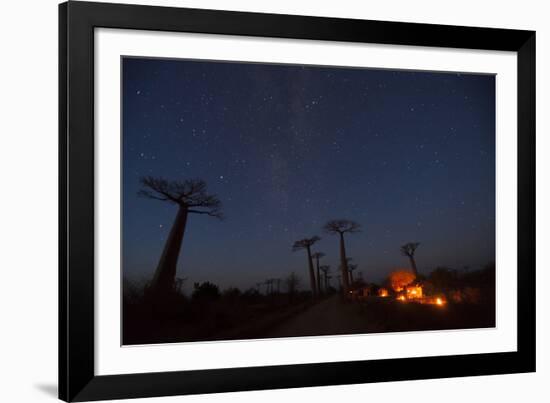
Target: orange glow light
x=400 y=279
x=414 y=291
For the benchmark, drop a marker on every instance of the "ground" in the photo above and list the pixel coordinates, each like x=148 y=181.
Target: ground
x=336 y=316
x=330 y=315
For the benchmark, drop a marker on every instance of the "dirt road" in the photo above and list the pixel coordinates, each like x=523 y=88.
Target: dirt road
x=335 y=316
x=328 y=317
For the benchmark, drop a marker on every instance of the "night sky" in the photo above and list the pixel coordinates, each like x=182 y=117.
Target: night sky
x=408 y=155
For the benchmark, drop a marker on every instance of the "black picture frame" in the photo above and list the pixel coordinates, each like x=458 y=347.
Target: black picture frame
x=77 y=379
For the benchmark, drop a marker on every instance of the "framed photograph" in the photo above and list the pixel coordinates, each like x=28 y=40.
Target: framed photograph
x=257 y=201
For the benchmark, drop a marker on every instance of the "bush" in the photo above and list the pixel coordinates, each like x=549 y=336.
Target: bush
x=205 y=291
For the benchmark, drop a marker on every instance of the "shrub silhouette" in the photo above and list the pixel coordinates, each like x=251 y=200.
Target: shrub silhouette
x=205 y=291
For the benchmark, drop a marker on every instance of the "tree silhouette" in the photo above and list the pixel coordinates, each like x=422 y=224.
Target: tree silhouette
x=408 y=250
x=292 y=284
x=317 y=256
x=191 y=198
x=325 y=269
x=178 y=284
x=342 y=227
x=351 y=269
x=306 y=244
x=205 y=291
x=268 y=286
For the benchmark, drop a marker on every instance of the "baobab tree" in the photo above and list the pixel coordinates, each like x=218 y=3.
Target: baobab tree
x=306 y=244
x=342 y=227
x=292 y=285
x=408 y=250
x=317 y=256
x=278 y=281
x=268 y=286
x=178 y=284
x=190 y=197
x=325 y=269
x=351 y=269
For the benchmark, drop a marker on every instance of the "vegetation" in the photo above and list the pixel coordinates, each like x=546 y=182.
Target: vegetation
x=208 y=313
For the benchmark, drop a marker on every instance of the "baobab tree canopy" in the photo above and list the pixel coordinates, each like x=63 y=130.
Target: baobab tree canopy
x=190 y=194
x=341 y=226
x=304 y=243
x=318 y=255
x=409 y=248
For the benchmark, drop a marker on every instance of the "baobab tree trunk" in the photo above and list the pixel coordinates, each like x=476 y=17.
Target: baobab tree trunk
x=344 y=264
x=318 y=277
x=413 y=265
x=165 y=273
x=311 y=273
x=351 y=277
